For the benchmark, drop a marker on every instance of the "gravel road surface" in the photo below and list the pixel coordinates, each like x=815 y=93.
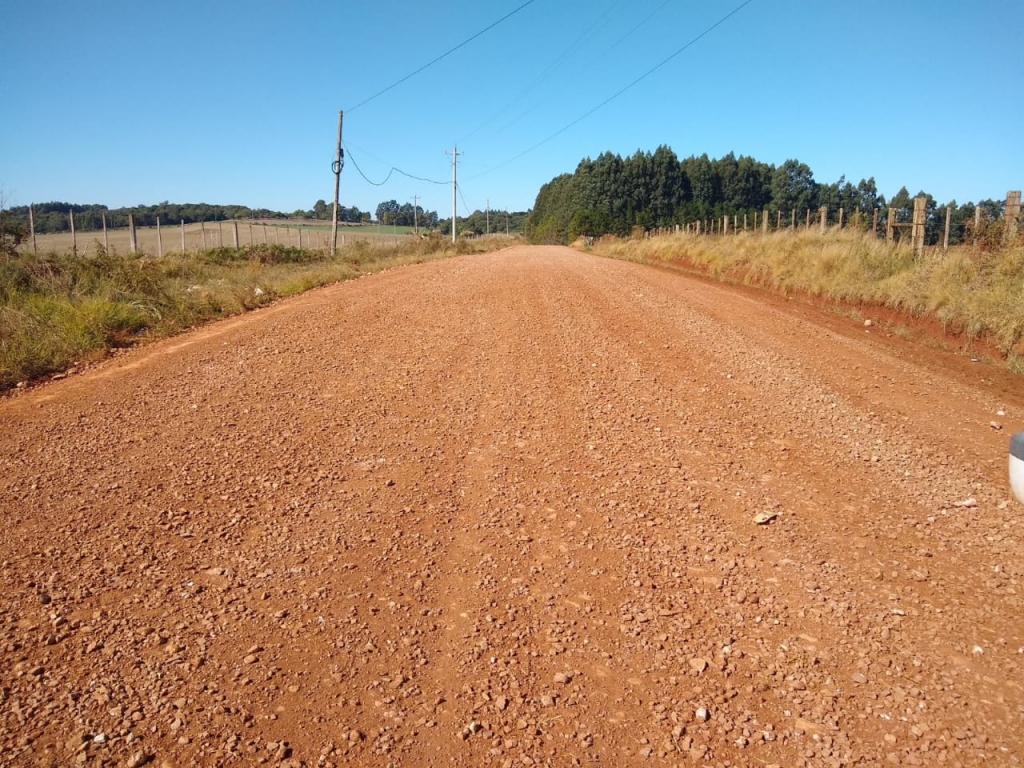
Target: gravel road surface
x=499 y=511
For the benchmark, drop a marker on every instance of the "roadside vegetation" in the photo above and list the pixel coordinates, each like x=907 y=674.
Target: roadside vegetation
x=976 y=291
x=57 y=309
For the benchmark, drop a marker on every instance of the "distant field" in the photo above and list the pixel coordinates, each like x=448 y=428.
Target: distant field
x=213 y=234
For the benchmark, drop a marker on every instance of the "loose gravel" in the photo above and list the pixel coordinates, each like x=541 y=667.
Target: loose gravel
x=531 y=507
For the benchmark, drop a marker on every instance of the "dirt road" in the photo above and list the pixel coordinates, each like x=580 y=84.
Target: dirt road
x=497 y=511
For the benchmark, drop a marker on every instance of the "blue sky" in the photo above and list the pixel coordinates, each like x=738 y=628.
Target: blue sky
x=135 y=103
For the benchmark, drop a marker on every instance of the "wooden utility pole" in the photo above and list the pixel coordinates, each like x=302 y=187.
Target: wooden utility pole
x=415 y=215
x=339 y=162
x=74 y=238
x=455 y=182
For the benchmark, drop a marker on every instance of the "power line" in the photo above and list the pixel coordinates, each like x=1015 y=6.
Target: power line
x=547 y=71
x=442 y=56
x=390 y=173
x=621 y=91
x=604 y=52
x=464 y=203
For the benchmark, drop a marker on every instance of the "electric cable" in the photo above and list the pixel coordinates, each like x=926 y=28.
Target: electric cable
x=619 y=92
x=390 y=173
x=464 y=203
x=605 y=52
x=576 y=44
x=442 y=56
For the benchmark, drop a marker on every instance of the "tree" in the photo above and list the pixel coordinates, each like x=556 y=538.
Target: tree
x=387 y=212
x=322 y=211
x=12 y=231
x=793 y=187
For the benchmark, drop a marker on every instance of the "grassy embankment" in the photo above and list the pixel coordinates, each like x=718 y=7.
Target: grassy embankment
x=56 y=310
x=978 y=293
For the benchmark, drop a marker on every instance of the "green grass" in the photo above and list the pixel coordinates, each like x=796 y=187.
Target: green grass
x=57 y=309
x=975 y=292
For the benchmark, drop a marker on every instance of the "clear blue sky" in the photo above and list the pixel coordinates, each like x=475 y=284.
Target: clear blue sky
x=133 y=103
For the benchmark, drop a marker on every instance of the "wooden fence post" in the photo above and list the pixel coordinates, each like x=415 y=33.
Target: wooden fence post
x=840 y=217
x=890 y=225
x=764 y=222
x=945 y=242
x=74 y=238
x=202 y=225
x=874 y=223
x=917 y=231
x=1012 y=214
x=133 y=245
x=823 y=215
x=250 y=234
x=235 y=232
x=159 y=239
x=183 y=236
x=32 y=227
x=792 y=220
x=807 y=225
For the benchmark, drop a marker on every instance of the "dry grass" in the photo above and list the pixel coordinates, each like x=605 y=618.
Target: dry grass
x=173 y=238
x=974 y=292
x=57 y=309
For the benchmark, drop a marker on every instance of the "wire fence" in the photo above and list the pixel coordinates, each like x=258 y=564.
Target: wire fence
x=182 y=238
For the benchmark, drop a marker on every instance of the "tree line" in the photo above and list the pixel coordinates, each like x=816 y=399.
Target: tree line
x=391 y=213
x=53 y=216
x=614 y=195
x=484 y=222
